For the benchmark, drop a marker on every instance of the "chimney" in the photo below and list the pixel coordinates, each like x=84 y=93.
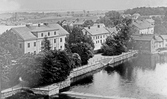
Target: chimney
x=98 y=26
x=45 y=24
x=27 y=25
x=39 y=25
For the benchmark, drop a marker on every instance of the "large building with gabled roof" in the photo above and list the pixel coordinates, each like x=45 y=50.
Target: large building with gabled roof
x=99 y=33
x=30 y=37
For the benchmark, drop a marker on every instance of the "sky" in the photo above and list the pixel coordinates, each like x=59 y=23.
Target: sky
x=69 y=5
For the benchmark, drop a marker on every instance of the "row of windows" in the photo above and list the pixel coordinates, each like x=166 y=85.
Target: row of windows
x=28 y=44
x=99 y=41
x=48 y=34
x=54 y=49
x=101 y=36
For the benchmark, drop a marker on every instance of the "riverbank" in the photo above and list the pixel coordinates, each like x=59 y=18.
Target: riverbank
x=95 y=63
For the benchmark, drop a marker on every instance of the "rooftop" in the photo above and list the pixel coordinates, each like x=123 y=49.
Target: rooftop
x=27 y=32
x=95 y=30
x=164 y=36
x=147 y=37
x=142 y=24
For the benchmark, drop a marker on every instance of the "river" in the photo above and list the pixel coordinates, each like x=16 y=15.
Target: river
x=143 y=77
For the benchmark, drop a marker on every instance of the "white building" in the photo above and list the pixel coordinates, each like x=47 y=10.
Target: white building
x=99 y=33
x=30 y=37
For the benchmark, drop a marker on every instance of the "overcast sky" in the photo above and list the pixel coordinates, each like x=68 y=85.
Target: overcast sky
x=22 y=5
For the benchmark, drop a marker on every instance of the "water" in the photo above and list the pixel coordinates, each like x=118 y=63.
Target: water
x=144 y=77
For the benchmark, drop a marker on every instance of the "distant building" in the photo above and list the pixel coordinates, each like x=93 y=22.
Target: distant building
x=126 y=15
x=30 y=37
x=147 y=43
x=98 y=32
x=135 y=15
x=143 y=27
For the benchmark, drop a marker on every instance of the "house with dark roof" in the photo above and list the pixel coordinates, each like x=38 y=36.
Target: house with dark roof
x=143 y=26
x=147 y=43
x=98 y=32
x=30 y=37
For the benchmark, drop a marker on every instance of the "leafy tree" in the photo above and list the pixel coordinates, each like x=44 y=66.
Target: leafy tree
x=56 y=66
x=45 y=68
x=46 y=44
x=79 y=43
x=29 y=68
x=9 y=73
x=121 y=42
x=88 y=23
x=111 y=18
x=76 y=60
x=9 y=42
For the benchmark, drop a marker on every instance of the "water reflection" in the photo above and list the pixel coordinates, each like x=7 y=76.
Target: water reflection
x=144 y=77
x=86 y=80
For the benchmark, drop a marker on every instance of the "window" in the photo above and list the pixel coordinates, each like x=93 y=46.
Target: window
x=34 y=43
x=54 y=48
x=60 y=39
x=54 y=40
x=61 y=47
x=34 y=52
x=28 y=45
x=48 y=33
x=41 y=34
x=101 y=36
x=55 y=33
x=20 y=45
x=101 y=41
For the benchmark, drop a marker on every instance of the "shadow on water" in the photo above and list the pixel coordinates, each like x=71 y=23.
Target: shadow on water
x=86 y=80
x=63 y=96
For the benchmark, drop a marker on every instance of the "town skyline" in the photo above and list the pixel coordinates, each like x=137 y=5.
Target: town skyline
x=66 y=5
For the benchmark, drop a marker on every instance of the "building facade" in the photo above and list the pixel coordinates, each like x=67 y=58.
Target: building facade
x=147 y=43
x=30 y=37
x=99 y=33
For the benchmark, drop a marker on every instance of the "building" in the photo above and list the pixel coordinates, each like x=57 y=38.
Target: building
x=143 y=27
x=98 y=32
x=30 y=37
x=147 y=43
x=135 y=15
x=113 y=30
x=164 y=40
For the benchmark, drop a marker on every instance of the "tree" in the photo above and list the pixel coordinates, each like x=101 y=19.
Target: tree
x=111 y=18
x=79 y=43
x=121 y=42
x=46 y=46
x=88 y=23
x=45 y=68
x=56 y=66
x=9 y=41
